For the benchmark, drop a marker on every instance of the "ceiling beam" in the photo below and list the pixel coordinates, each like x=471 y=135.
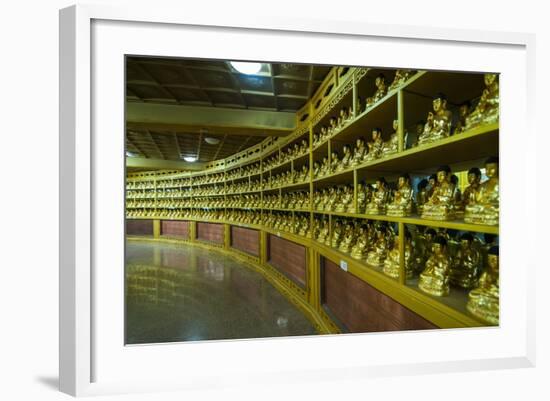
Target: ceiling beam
x=181 y=118
x=140 y=162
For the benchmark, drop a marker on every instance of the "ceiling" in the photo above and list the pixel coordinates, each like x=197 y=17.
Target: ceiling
x=239 y=110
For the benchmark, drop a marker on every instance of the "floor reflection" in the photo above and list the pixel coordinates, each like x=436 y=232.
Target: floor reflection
x=186 y=293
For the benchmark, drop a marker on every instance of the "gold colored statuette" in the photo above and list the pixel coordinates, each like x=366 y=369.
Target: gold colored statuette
x=379 y=200
x=334 y=162
x=346 y=199
x=402 y=204
x=391 y=146
x=466 y=263
x=381 y=91
x=421 y=195
x=375 y=146
x=438 y=124
x=463 y=112
x=484 y=209
x=401 y=76
x=333 y=197
x=348 y=239
x=392 y=262
x=379 y=251
x=441 y=204
x=359 y=250
x=434 y=280
x=325 y=167
x=359 y=153
x=346 y=159
x=483 y=301
x=361 y=200
x=323 y=232
x=336 y=236
x=487 y=110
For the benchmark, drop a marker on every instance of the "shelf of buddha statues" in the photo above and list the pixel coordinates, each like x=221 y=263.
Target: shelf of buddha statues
x=337 y=177
x=475 y=144
x=288 y=236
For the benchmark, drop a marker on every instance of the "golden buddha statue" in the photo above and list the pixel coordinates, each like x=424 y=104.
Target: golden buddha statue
x=304 y=174
x=391 y=146
x=316 y=139
x=379 y=200
x=346 y=199
x=325 y=167
x=324 y=133
x=304 y=147
x=401 y=76
x=438 y=124
x=336 y=237
x=380 y=92
x=402 y=203
x=316 y=169
x=463 y=112
x=434 y=280
x=323 y=231
x=466 y=263
x=348 y=239
x=361 y=200
x=332 y=199
x=342 y=117
x=485 y=207
x=379 y=251
x=483 y=301
x=393 y=262
x=470 y=193
x=332 y=126
x=441 y=204
x=334 y=161
x=346 y=158
x=359 y=153
x=359 y=250
x=375 y=146
x=421 y=195
x=487 y=109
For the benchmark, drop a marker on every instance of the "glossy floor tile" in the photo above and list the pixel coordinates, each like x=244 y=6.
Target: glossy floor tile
x=186 y=293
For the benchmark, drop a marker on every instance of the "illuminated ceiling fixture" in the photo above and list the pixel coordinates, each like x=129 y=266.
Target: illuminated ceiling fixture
x=190 y=159
x=130 y=154
x=245 y=67
x=211 y=141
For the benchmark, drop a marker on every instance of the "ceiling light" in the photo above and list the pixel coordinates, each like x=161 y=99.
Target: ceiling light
x=190 y=159
x=246 y=68
x=130 y=154
x=211 y=141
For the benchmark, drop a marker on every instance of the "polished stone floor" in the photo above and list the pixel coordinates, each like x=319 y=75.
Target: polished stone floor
x=186 y=293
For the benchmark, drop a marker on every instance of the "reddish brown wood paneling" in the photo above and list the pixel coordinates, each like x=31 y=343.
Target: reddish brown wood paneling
x=246 y=240
x=210 y=232
x=139 y=227
x=175 y=228
x=288 y=257
x=362 y=308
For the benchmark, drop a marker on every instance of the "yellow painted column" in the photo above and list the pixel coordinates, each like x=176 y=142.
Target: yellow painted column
x=156 y=228
x=401 y=119
x=402 y=273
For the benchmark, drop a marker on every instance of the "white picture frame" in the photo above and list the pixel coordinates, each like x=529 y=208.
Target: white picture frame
x=88 y=366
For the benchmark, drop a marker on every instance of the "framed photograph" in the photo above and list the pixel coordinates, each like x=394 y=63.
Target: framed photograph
x=256 y=200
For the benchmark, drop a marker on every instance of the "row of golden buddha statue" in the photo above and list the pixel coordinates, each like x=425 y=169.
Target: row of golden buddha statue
x=245 y=171
x=281 y=221
x=287 y=154
x=291 y=176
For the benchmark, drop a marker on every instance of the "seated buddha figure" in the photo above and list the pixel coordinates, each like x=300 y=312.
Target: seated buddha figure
x=375 y=146
x=332 y=126
x=361 y=197
x=346 y=199
x=466 y=263
x=346 y=158
x=296 y=150
x=316 y=200
x=401 y=76
x=336 y=236
x=486 y=111
x=303 y=226
x=316 y=139
x=402 y=203
x=325 y=167
x=379 y=250
x=438 y=122
x=304 y=174
x=342 y=117
x=421 y=195
x=348 y=238
x=470 y=193
x=379 y=200
x=334 y=161
x=485 y=207
x=304 y=147
x=332 y=199
x=392 y=262
x=483 y=301
x=323 y=231
x=440 y=205
x=391 y=145
x=359 y=153
x=463 y=112
x=359 y=250
x=434 y=280
x=316 y=169
x=380 y=92
x=324 y=133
